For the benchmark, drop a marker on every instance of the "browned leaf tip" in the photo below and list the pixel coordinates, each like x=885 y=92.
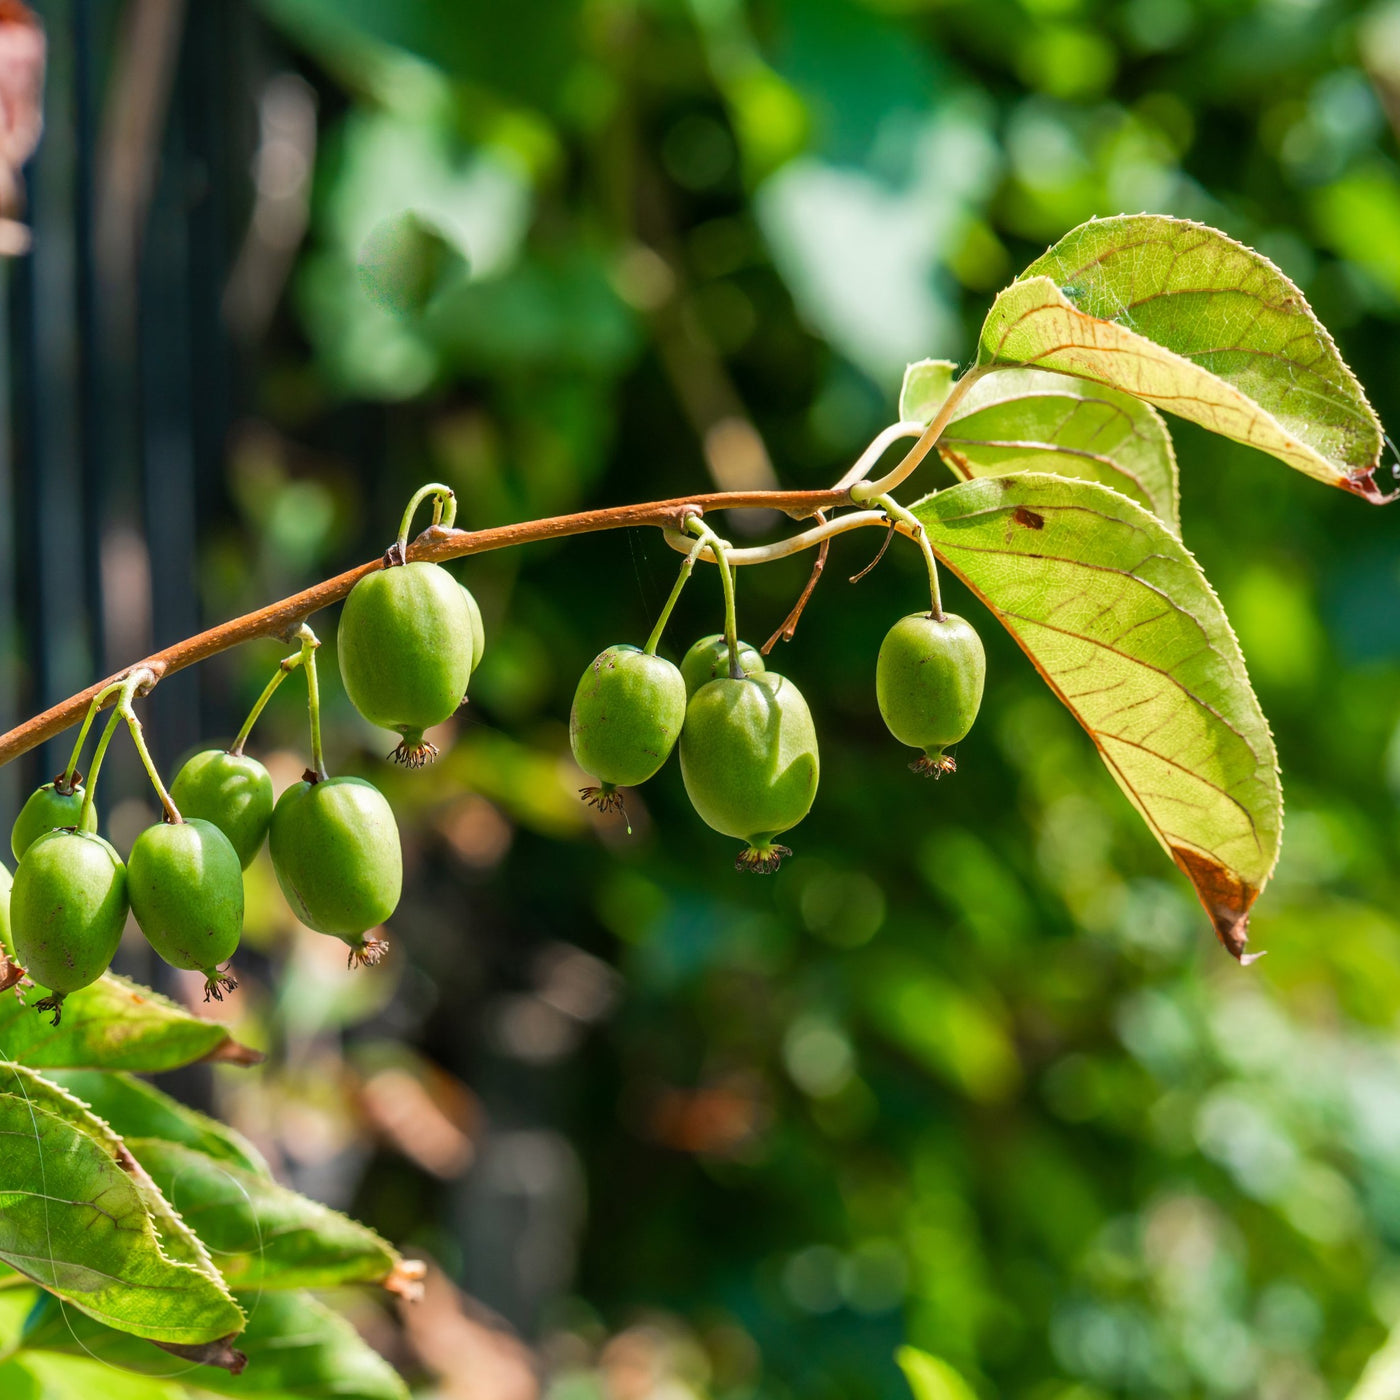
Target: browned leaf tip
x=406 y=1280
x=1364 y=485
x=11 y=973
x=230 y=1052
x=221 y=1353
x=1227 y=899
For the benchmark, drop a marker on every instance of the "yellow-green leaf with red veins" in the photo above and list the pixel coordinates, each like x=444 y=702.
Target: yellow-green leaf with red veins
x=1190 y=320
x=1118 y=619
x=1021 y=420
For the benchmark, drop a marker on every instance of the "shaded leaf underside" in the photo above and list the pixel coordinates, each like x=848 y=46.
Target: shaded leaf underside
x=1190 y=320
x=1120 y=622
x=1029 y=420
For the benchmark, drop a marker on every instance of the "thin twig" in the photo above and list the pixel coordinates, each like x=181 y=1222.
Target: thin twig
x=281 y=619
x=789 y=628
x=879 y=554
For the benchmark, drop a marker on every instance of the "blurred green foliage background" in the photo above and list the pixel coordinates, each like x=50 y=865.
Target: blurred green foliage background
x=970 y=1072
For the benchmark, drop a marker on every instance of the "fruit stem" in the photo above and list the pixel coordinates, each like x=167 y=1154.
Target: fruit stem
x=65 y=783
x=895 y=511
x=444 y=511
x=126 y=689
x=654 y=640
x=285 y=667
x=309 y=643
x=125 y=711
x=726 y=577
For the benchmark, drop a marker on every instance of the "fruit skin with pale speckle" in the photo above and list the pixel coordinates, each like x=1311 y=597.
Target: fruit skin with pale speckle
x=928 y=681
x=708 y=660
x=6 y=881
x=335 y=848
x=231 y=790
x=627 y=714
x=68 y=907
x=185 y=883
x=405 y=645
x=749 y=760
x=47 y=810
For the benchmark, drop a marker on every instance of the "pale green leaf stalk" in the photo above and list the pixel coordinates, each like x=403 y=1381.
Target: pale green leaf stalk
x=1021 y=420
x=1122 y=625
x=1186 y=318
x=85 y=1221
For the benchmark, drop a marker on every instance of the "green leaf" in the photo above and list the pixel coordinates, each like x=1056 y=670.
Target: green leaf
x=260 y=1232
x=78 y=1378
x=296 y=1349
x=135 y=1109
x=1027 y=420
x=927 y=383
x=115 y=1024
x=1188 y=319
x=1121 y=623
x=80 y=1216
x=931 y=1378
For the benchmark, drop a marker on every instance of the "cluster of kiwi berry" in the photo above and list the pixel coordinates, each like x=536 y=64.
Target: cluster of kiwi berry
x=409 y=639
x=748 y=746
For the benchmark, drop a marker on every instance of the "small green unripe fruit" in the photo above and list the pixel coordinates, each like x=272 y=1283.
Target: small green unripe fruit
x=708 y=660
x=749 y=760
x=47 y=810
x=335 y=848
x=928 y=680
x=232 y=791
x=627 y=714
x=478 y=628
x=6 y=880
x=67 y=911
x=185 y=882
x=405 y=645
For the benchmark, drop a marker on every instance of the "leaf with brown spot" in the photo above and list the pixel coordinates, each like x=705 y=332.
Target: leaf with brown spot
x=1121 y=623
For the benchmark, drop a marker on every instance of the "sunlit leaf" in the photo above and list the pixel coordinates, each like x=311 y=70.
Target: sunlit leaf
x=1186 y=318
x=1027 y=420
x=44 y=1377
x=296 y=1349
x=931 y=1378
x=135 y=1109
x=80 y=1216
x=114 y=1024
x=260 y=1232
x=1122 y=625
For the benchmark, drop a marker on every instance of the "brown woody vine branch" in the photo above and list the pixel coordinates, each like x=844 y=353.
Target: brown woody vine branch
x=278 y=620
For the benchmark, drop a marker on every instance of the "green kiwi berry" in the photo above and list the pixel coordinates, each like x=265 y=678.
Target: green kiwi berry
x=335 y=848
x=478 y=628
x=405 y=645
x=185 y=882
x=50 y=808
x=627 y=714
x=6 y=881
x=928 y=681
x=68 y=907
x=749 y=760
x=708 y=660
x=232 y=791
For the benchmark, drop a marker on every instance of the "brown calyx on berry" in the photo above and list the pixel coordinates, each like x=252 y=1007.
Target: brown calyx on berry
x=368 y=952
x=218 y=982
x=761 y=858
x=415 y=751
x=606 y=797
x=933 y=765
x=54 y=1003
